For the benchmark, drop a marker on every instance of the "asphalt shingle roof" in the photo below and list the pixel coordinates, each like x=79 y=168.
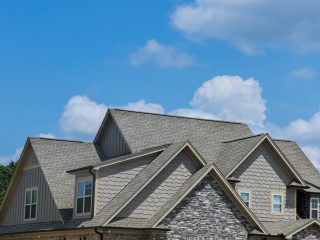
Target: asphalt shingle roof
x=285 y=227
x=56 y=157
x=146 y=130
x=232 y=152
x=135 y=185
x=299 y=161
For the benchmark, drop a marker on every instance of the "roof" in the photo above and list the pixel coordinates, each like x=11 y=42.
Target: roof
x=232 y=152
x=288 y=228
x=299 y=161
x=56 y=157
x=138 y=182
x=146 y=130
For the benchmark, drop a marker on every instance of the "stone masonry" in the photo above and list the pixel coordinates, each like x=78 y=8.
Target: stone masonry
x=310 y=233
x=206 y=213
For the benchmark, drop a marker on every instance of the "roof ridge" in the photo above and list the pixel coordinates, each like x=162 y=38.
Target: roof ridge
x=283 y=140
x=58 y=139
x=176 y=116
x=244 y=138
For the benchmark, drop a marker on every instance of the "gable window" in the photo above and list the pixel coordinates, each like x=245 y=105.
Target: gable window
x=277 y=203
x=30 y=203
x=314 y=207
x=245 y=196
x=84 y=196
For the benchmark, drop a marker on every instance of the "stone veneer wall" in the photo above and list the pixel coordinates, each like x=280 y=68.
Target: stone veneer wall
x=206 y=213
x=310 y=233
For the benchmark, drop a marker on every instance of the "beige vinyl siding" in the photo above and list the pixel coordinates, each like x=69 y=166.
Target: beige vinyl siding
x=46 y=209
x=161 y=188
x=112 y=179
x=263 y=174
x=111 y=140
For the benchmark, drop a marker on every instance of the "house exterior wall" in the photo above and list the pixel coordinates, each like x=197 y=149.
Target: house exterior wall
x=206 y=213
x=111 y=180
x=161 y=188
x=310 y=233
x=111 y=140
x=261 y=174
x=46 y=208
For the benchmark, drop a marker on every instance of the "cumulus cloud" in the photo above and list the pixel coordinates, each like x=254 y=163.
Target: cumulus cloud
x=232 y=98
x=193 y=113
x=83 y=116
x=47 y=135
x=313 y=154
x=162 y=55
x=306 y=131
x=4 y=160
x=252 y=25
x=142 y=106
x=302 y=73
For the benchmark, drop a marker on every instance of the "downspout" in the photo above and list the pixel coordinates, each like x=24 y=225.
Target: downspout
x=93 y=190
x=99 y=233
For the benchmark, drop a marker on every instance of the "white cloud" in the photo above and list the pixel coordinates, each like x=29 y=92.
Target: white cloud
x=14 y=157
x=304 y=131
x=252 y=25
x=83 y=116
x=162 y=55
x=302 y=73
x=231 y=98
x=47 y=135
x=142 y=106
x=193 y=113
x=313 y=154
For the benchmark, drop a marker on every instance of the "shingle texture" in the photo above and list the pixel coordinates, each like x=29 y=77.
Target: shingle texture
x=139 y=192
x=285 y=227
x=56 y=157
x=262 y=174
x=300 y=161
x=143 y=130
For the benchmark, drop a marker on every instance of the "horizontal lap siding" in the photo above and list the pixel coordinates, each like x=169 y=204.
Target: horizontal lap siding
x=262 y=175
x=46 y=208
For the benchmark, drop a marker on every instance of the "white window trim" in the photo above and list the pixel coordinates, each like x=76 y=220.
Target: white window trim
x=318 y=209
x=249 y=192
x=25 y=204
x=82 y=215
x=282 y=203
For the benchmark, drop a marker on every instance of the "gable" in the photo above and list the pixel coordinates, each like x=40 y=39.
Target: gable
x=111 y=140
x=161 y=188
x=205 y=212
x=263 y=174
x=30 y=176
x=112 y=179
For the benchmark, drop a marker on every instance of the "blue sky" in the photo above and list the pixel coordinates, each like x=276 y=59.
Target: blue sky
x=62 y=63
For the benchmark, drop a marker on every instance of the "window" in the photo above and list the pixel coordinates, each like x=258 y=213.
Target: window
x=277 y=203
x=245 y=196
x=314 y=207
x=31 y=200
x=84 y=197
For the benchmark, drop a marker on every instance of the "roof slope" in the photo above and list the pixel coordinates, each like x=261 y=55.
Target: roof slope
x=287 y=227
x=299 y=161
x=138 y=182
x=56 y=157
x=232 y=152
x=147 y=130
